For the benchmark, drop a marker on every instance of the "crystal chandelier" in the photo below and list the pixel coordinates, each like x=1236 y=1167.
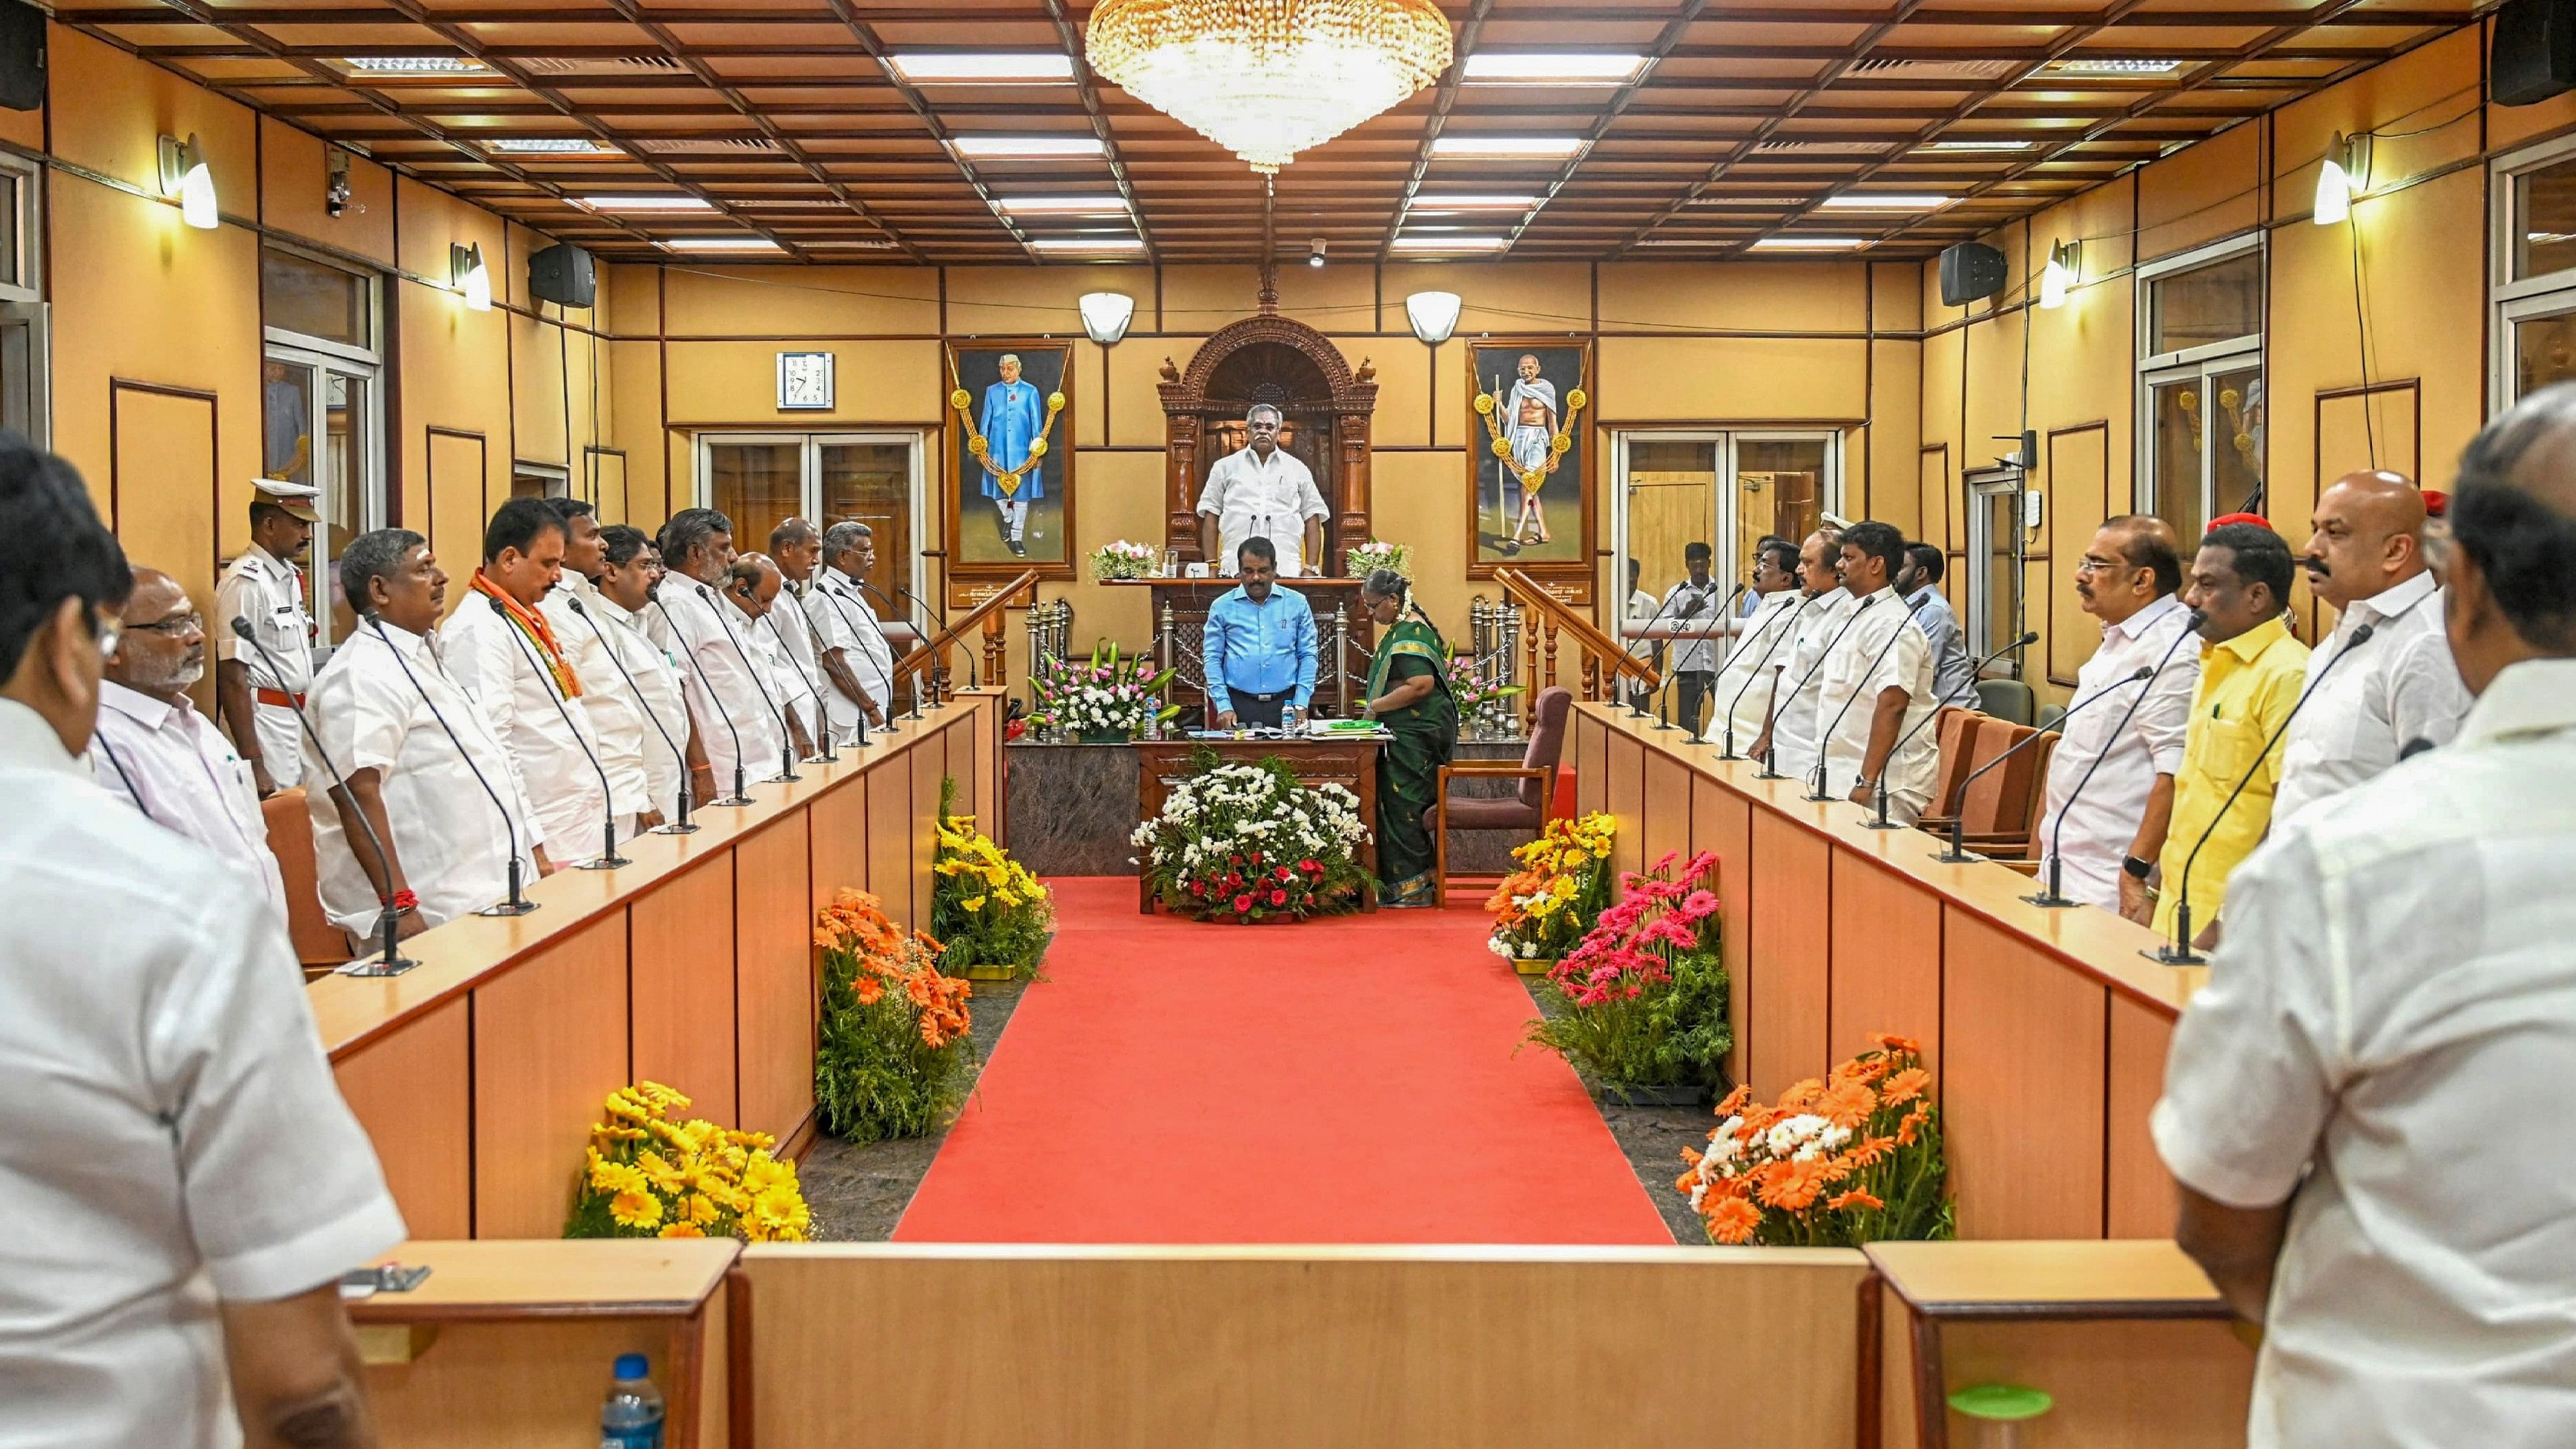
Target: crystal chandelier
x=1267 y=79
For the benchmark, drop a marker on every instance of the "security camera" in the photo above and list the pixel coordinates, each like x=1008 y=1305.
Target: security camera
x=1315 y=252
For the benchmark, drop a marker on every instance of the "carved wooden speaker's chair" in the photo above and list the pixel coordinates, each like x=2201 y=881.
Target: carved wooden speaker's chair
x=1526 y=810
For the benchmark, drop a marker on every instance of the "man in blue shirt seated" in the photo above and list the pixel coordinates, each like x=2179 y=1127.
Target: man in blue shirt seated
x=1952 y=680
x=1259 y=646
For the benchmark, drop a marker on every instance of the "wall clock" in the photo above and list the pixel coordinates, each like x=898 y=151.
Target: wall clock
x=804 y=381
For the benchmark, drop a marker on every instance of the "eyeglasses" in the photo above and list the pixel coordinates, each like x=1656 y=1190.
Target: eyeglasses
x=191 y=622
x=2091 y=565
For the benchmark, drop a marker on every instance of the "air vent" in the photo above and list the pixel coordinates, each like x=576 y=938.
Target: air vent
x=710 y=146
x=1822 y=148
x=605 y=65
x=1879 y=67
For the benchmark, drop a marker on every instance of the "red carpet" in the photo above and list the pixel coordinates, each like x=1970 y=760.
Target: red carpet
x=1349 y=1080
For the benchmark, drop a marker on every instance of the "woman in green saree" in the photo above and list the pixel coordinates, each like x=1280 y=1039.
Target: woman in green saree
x=1408 y=693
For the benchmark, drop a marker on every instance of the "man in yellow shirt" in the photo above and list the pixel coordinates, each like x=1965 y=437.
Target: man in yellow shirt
x=2251 y=672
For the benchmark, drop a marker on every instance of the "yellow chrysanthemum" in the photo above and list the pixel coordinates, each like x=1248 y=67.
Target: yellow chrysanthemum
x=658 y=1170
x=617 y=1178
x=973 y=903
x=702 y=1209
x=680 y=1230
x=635 y=1209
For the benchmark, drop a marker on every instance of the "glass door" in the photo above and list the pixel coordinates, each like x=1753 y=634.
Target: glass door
x=870 y=481
x=1995 y=564
x=761 y=479
x=1780 y=489
x=318 y=425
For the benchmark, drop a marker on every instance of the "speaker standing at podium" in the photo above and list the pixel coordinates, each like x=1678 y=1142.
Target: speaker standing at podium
x=1264 y=491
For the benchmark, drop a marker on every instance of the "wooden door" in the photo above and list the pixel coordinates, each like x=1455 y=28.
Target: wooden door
x=871 y=483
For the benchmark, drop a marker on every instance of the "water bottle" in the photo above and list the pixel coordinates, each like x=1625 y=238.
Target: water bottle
x=632 y=1417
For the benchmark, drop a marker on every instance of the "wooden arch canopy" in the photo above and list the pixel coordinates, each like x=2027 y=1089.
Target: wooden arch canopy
x=1275 y=359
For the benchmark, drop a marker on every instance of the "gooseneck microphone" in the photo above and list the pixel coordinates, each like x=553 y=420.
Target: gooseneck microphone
x=2052 y=897
x=822 y=712
x=1879 y=821
x=1636 y=705
x=740 y=796
x=1673 y=676
x=1958 y=854
x=389 y=923
x=608 y=859
x=2179 y=952
x=1781 y=628
x=682 y=825
x=786 y=732
x=516 y=904
x=841 y=607
x=1769 y=756
x=929 y=667
x=1827 y=732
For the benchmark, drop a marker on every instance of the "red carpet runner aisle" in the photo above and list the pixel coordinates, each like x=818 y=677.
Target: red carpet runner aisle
x=1349 y=1080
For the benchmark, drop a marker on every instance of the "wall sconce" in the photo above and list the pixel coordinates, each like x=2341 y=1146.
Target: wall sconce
x=466 y=272
x=1105 y=316
x=184 y=175
x=1433 y=316
x=2344 y=175
x=2065 y=265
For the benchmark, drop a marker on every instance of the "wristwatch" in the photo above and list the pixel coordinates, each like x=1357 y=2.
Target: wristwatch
x=2136 y=867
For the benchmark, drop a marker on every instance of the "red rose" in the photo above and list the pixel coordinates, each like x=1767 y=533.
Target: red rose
x=1242 y=903
x=1232 y=880
x=1198 y=887
x=1316 y=866
x=1256 y=857
x=1278 y=898
x=1234 y=859
x=1282 y=872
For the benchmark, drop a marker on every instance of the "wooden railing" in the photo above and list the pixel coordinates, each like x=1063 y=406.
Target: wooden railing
x=987 y=615
x=1603 y=660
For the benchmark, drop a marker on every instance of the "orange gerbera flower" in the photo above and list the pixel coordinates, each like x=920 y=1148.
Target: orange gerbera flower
x=1735 y=1101
x=1905 y=1045
x=869 y=990
x=1905 y=1086
x=1793 y=1185
x=1801 y=1096
x=1847 y=1104
x=1854 y=1198
x=1869 y=1151
x=1732 y=1220
x=1912 y=1124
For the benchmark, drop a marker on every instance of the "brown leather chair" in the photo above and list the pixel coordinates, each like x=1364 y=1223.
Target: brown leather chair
x=1955 y=739
x=1525 y=810
x=318 y=943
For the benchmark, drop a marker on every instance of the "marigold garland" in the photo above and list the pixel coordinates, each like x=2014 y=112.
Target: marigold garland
x=646 y=1175
x=1849 y=1158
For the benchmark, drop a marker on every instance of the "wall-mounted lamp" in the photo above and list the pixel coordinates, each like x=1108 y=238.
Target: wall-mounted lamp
x=1315 y=252
x=466 y=272
x=2344 y=174
x=1105 y=316
x=184 y=175
x=2065 y=265
x=1433 y=315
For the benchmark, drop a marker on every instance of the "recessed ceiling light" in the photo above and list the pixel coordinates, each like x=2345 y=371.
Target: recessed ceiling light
x=1026 y=145
x=1087 y=244
x=1021 y=67
x=1438 y=242
x=1441 y=205
x=1980 y=145
x=1491 y=147
x=548 y=146
x=1536 y=68
x=2114 y=65
x=1684 y=241
x=1883 y=201
x=1062 y=205
x=647 y=203
x=416 y=65
x=721 y=244
x=1796 y=243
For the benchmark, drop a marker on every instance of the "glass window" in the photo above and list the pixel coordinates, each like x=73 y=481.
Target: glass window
x=871 y=483
x=2544 y=351
x=1780 y=489
x=1999 y=611
x=314 y=298
x=286 y=420
x=2544 y=220
x=2216 y=303
x=2177 y=450
x=2236 y=453
x=318 y=425
x=757 y=485
x=1672 y=504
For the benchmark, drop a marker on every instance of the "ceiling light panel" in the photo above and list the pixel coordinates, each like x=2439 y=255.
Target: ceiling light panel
x=548 y=146
x=646 y=203
x=1570 y=68
x=1883 y=201
x=1442 y=205
x=721 y=244
x=1498 y=148
x=1061 y=205
x=1030 y=67
x=1438 y=242
x=1807 y=244
x=2113 y=65
x=1003 y=147
x=415 y=65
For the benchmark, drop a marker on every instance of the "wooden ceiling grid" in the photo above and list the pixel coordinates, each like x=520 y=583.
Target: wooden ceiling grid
x=791 y=123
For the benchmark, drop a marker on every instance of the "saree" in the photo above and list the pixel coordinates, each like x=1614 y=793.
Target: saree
x=1408 y=766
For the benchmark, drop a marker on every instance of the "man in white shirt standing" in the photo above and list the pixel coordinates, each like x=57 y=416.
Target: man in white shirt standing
x=2107 y=838
x=1263 y=491
x=854 y=645
x=753 y=589
x=423 y=767
x=2362 y=1105
x=505 y=654
x=1689 y=606
x=255 y=692
x=737 y=725
x=2365 y=557
x=1764 y=643
x=796 y=549
x=616 y=609
x=618 y=726
x=183 y=1183
x=1877 y=688
x=155 y=752
x=1789 y=721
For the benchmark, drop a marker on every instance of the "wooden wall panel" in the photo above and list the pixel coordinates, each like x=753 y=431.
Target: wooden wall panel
x=2022 y=1086
x=774 y=956
x=837 y=842
x=550 y=1044
x=532 y=1384
x=412 y=1093
x=1591 y=755
x=889 y=855
x=929 y=763
x=2115 y=1383
x=1667 y=808
x=681 y=971
x=1887 y=959
x=2141 y=1198
x=1792 y=938
x=1722 y=821
x=1625 y=766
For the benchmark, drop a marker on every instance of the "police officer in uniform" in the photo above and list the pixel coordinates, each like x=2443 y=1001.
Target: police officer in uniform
x=263 y=585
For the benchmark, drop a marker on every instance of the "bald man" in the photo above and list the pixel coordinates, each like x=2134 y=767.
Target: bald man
x=2365 y=558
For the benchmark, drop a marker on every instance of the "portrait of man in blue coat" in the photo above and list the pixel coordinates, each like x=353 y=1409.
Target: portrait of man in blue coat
x=1014 y=414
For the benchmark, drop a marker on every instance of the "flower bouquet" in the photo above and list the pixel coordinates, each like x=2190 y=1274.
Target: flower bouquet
x=1558 y=890
x=1109 y=699
x=1363 y=559
x=649 y=1176
x=1251 y=843
x=1124 y=559
x=991 y=916
x=893 y=1044
x=1645 y=990
x=1851 y=1159
x=1478 y=688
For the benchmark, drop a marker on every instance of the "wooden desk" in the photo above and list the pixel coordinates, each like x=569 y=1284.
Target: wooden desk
x=512 y=1342
x=1349 y=763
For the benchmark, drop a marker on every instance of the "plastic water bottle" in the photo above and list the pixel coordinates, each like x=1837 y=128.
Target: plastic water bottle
x=632 y=1417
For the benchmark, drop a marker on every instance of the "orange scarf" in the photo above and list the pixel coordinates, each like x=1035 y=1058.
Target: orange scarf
x=534 y=625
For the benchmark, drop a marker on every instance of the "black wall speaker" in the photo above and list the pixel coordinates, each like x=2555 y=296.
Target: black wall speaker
x=1970 y=270
x=22 y=56
x=2534 y=56
x=563 y=274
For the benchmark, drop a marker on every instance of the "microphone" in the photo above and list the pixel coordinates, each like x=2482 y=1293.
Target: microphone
x=516 y=904
x=822 y=714
x=1675 y=675
x=1958 y=854
x=927 y=635
x=388 y=924
x=682 y=826
x=740 y=796
x=786 y=734
x=2180 y=952
x=2052 y=897
x=1786 y=627
x=2415 y=746
x=840 y=606
x=609 y=859
x=1827 y=732
x=1767 y=772
x=1881 y=822
x=1637 y=707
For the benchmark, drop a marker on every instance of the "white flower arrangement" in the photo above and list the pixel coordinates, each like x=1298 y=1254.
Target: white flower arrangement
x=1105 y=695
x=1250 y=841
x=1363 y=559
x=1126 y=559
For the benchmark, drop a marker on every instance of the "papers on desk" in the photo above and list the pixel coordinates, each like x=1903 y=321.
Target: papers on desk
x=1313 y=729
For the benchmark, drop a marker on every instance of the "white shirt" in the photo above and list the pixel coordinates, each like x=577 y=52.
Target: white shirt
x=726 y=696
x=169 y=1131
x=2394 y=1007
x=2102 y=823
x=1692 y=656
x=2402 y=686
x=1883 y=650
x=842 y=620
x=453 y=846
x=792 y=638
x=615 y=716
x=268 y=592
x=657 y=688
x=1794 y=721
x=1743 y=685
x=185 y=777
x=547 y=736
x=1255 y=499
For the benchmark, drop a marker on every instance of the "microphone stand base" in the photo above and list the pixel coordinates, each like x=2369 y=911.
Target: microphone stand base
x=508 y=908
x=1817 y=798
x=677 y=827
x=1957 y=857
x=1874 y=823
x=728 y=802
x=377 y=966
x=2052 y=902
x=605 y=862
x=2168 y=956
x=790 y=775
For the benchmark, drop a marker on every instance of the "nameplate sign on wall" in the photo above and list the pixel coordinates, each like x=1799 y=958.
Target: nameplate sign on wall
x=804 y=382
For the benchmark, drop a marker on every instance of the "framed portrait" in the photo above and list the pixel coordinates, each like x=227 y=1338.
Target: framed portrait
x=1529 y=456
x=1009 y=477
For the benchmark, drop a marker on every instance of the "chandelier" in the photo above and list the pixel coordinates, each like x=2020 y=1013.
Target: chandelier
x=1267 y=79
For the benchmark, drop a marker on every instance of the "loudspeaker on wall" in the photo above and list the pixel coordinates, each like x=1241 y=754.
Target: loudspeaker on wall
x=22 y=56
x=1970 y=270
x=563 y=274
x=2534 y=55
